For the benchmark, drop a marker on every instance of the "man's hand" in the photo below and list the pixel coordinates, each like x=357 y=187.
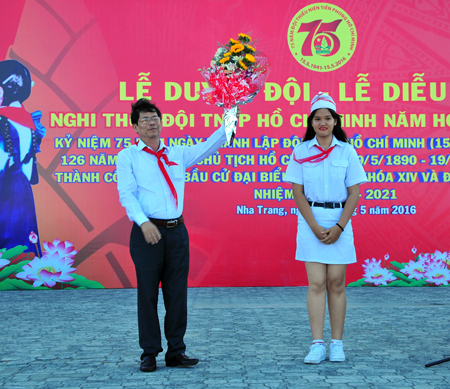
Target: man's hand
x=151 y=232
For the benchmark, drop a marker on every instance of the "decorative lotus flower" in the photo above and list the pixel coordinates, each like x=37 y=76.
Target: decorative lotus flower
x=438 y=275
x=414 y=270
x=442 y=256
x=371 y=263
x=3 y=262
x=378 y=276
x=434 y=262
x=63 y=249
x=33 y=237
x=48 y=270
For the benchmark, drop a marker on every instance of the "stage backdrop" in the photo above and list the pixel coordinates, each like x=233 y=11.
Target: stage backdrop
x=386 y=64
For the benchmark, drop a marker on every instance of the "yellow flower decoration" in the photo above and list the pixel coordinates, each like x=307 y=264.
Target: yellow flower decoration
x=224 y=59
x=227 y=54
x=245 y=36
x=250 y=47
x=250 y=58
x=234 y=42
x=237 y=48
x=242 y=65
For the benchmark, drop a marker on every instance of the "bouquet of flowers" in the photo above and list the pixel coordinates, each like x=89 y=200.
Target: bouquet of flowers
x=236 y=75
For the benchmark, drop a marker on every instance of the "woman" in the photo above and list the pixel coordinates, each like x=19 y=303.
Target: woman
x=20 y=136
x=325 y=173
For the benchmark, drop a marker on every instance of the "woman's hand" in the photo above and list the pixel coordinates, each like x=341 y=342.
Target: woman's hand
x=319 y=232
x=331 y=235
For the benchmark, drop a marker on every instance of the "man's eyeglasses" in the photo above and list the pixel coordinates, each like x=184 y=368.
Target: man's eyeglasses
x=155 y=119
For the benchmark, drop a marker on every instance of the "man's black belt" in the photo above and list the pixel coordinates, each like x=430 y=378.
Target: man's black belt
x=326 y=205
x=168 y=223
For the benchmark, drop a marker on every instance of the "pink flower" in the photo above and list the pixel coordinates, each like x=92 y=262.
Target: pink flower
x=371 y=263
x=47 y=270
x=3 y=262
x=63 y=249
x=414 y=270
x=33 y=237
x=438 y=275
x=378 y=276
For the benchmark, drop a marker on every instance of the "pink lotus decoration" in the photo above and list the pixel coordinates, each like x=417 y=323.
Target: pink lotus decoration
x=63 y=249
x=375 y=274
x=438 y=275
x=3 y=262
x=33 y=237
x=414 y=270
x=48 y=270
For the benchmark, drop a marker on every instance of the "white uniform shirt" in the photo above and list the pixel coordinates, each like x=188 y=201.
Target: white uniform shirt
x=144 y=191
x=327 y=180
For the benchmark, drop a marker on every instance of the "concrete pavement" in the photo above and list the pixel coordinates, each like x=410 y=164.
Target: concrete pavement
x=244 y=338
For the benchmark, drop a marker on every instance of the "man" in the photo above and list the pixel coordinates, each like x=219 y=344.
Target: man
x=151 y=179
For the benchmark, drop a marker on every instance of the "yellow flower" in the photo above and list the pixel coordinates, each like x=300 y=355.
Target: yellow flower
x=237 y=48
x=250 y=58
x=224 y=59
x=233 y=41
x=227 y=54
x=242 y=65
x=245 y=36
x=250 y=47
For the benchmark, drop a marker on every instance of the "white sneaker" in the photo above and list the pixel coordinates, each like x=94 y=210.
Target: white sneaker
x=317 y=353
x=337 y=352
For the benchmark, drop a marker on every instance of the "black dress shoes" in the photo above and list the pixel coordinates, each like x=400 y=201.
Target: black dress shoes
x=148 y=364
x=181 y=360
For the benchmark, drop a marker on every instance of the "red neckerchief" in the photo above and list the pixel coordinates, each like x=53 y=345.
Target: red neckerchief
x=19 y=115
x=316 y=158
x=158 y=155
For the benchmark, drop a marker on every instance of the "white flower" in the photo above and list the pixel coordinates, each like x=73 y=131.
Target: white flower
x=378 y=276
x=414 y=250
x=414 y=270
x=438 y=275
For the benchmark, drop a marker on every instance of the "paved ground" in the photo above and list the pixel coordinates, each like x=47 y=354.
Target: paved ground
x=244 y=337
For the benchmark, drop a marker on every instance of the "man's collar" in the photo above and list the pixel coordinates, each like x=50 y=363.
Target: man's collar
x=141 y=145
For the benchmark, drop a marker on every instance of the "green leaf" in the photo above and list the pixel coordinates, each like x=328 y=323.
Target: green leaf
x=401 y=276
x=14 y=252
x=83 y=282
x=15 y=284
x=10 y=269
x=398 y=265
x=360 y=282
x=397 y=283
x=421 y=282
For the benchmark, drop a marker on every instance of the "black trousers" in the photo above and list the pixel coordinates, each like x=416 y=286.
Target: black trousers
x=167 y=262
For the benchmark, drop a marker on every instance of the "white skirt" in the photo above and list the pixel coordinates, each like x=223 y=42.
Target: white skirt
x=311 y=249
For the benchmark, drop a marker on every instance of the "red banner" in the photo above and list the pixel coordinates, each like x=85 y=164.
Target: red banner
x=384 y=63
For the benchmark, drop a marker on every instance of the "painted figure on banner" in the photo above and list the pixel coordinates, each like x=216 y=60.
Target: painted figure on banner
x=20 y=137
x=325 y=173
x=151 y=184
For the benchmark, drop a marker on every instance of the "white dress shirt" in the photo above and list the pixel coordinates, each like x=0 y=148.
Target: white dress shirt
x=327 y=180
x=143 y=189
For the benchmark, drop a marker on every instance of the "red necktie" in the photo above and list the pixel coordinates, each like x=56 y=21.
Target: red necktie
x=158 y=155
x=316 y=158
x=19 y=115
